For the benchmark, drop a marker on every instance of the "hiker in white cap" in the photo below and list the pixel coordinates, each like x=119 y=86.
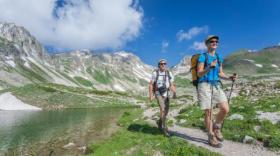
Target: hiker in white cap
x=160 y=85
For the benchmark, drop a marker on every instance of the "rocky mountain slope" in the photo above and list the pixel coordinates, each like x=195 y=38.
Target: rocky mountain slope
x=183 y=68
x=24 y=60
x=265 y=61
x=244 y=62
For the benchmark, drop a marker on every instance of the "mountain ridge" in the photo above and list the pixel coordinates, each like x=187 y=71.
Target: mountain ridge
x=24 y=60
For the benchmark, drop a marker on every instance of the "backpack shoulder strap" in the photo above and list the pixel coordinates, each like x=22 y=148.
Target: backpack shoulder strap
x=218 y=58
x=168 y=74
x=157 y=74
x=155 y=82
x=164 y=78
x=206 y=60
x=169 y=77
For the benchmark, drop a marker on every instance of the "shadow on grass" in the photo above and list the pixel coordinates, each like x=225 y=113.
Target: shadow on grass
x=144 y=128
x=147 y=129
x=188 y=137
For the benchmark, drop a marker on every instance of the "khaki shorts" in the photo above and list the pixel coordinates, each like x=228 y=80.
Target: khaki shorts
x=204 y=95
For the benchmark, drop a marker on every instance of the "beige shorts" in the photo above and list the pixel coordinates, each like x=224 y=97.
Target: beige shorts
x=204 y=95
x=163 y=103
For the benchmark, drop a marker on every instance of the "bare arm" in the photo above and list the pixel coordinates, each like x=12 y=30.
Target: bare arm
x=173 y=88
x=201 y=71
x=223 y=76
x=151 y=93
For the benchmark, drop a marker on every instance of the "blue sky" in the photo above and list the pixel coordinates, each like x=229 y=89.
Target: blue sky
x=152 y=29
x=251 y=24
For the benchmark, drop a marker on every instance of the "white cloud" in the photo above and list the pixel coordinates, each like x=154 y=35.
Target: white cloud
x=279 y=43
x=194 y=31
x=198 y=46
x=79 y=24
x=164 y=46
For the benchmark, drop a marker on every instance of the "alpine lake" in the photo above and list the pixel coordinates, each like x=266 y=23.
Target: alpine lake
x=59 y=132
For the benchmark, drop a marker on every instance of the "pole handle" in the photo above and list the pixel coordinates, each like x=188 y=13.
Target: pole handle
x=234 y=74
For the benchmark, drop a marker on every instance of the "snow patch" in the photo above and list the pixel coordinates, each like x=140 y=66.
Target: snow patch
x=10 y=102
x=26 y=64
x=88 y=56
x=24 y=58
x=259 y=65
x=108 y=64
x=76 y=53
x=11 y=63
x=252 y=61
x=54 y=77
x=47 y=64
x=142 y=74
x=9 y=57
x=118 y=87
x=122 y=53
x=139 y=66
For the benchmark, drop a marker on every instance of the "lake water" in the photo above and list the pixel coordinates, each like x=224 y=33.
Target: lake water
x=46 y=132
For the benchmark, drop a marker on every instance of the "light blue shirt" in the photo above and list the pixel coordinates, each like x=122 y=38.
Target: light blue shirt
x=213 y=74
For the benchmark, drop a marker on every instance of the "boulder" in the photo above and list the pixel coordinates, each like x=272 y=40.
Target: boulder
x=182 y=121
x=70 y=145
x=273 y=117
x=257 y=128
x=236 y=117
x=249 y=140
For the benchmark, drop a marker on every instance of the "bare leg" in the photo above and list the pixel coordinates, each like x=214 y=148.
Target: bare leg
x=163 y=118
x=162 y=112
x=207 y=120
x=165 y=111
x=224 y=109
x=219 y=120
x=209 y=125
x=159 y=122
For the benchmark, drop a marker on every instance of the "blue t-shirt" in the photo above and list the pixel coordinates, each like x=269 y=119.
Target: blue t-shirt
x=213 y=74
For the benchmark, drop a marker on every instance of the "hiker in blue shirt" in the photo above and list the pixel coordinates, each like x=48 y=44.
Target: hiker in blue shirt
x=210 y=93
x=213 y=75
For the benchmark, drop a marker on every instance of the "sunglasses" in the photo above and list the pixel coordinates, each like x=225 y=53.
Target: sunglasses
x=213 y=41
x=162 y=64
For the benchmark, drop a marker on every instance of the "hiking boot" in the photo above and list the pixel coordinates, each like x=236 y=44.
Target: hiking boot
x=165 y=130
x=213 y=141
x=159 y=124
x=166 y=133
x=217 y=131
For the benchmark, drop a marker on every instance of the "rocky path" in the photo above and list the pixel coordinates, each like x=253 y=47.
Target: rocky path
x=199 y=138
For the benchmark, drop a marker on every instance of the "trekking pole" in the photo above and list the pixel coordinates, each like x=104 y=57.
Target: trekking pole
x=211 y=110
x=231 y=89
x=229 y=97
x=212 y=92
